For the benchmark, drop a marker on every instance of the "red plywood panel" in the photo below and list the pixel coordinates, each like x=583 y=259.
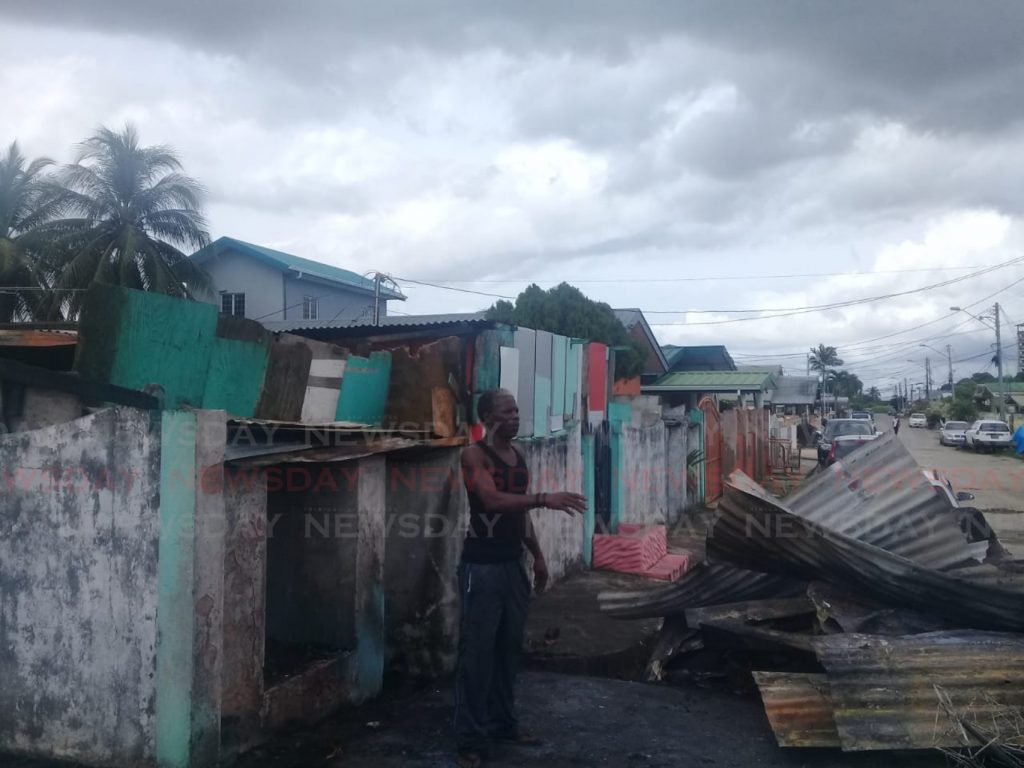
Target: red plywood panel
x=597 y=377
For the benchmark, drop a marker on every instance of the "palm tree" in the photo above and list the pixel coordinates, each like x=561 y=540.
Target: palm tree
x=874 y=393
x=130 y=212
x=824 y=360
x=28 y=200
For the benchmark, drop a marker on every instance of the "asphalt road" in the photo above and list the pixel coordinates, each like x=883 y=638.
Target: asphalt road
x=995 y=479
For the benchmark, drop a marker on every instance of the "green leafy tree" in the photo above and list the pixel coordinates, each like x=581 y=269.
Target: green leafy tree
x=27 y=201
x=963 y=409
x=566 y=311
x=983 y=377
x=874 y=394
x=129 y=211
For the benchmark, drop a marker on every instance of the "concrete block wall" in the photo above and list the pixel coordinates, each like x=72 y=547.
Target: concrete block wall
x=79 y=531
x=645 y=474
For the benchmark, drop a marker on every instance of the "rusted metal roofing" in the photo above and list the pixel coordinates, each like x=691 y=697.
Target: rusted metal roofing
x=907 y=692
x=799 y=708
x=37 y=337
x=753 y=531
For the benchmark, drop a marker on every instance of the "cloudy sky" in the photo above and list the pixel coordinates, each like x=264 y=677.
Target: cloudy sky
x=687 y=158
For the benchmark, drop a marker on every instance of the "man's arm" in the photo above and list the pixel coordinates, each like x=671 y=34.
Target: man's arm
x=478 y=478
x=540 y=566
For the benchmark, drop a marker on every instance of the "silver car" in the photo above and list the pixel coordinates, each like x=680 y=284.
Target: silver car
x=953 y=433
x=988 y=435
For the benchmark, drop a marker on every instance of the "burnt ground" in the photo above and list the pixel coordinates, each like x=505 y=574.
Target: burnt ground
x=585 y=721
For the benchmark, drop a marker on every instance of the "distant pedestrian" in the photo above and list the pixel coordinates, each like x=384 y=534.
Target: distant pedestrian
x=493 y=588
x=896 y=425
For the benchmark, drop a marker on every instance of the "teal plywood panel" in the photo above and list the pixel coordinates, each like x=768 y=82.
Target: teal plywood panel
x=133 y=338
x=364 y=388
x=238 y=364
x=559 y=350
x=542 y=385
x=526 y=343
x=573 y=379
x=487 y=362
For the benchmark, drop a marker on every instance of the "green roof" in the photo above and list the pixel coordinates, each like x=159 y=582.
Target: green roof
x=710 y=381
x=1011 y=387
x=286 y=261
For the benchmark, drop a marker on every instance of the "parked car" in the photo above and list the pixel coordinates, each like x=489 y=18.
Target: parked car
x=918 y=420
x=988 y=435
x=952 y=433
x=843 y=445
x=863 y=415
x=839 y=427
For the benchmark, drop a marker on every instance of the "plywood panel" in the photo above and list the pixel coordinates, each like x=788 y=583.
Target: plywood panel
x=238 y=365
x=597 y=382
x=559 y=350
x=364 y=388
x=573 y=373
x=542 y=386
x=509 y=378
x=526 y=344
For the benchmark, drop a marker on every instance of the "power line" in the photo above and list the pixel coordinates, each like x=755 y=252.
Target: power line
x=453 y=288
x=519 y=281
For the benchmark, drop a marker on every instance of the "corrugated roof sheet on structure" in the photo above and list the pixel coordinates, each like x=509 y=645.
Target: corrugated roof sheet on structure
x=390 y=322
x=37 y=337
x=799 y=708
x=295 y=263
x=709 y=381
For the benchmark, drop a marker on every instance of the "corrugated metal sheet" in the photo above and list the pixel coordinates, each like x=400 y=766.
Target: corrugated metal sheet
x=794 y=390
x=799 y=709
x=709 y=381
x=885 y=691
x=705 y=584
x=755 y=532
x=879 y=495
x=410 y=322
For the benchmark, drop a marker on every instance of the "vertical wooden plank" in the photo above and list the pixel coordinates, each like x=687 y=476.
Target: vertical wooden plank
x=572 y=379
x=284 y=386
x=589 y=488
x=542 y=386
x=323 y=387
x=509 y=378
x=526 y=343
x=559 y=350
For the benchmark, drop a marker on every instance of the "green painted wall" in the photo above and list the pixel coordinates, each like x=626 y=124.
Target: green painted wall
x=133 y=338
x=588 y=491
x=364 y=388
x=620 y=412
x=235 y=377
x=175 y=613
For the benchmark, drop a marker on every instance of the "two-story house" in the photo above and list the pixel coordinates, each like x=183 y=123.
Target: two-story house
x=272 y=286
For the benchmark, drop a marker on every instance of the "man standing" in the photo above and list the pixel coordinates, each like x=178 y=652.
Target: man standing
x=493 y=587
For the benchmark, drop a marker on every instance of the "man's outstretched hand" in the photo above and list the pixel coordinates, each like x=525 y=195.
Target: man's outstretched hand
x=563 y=501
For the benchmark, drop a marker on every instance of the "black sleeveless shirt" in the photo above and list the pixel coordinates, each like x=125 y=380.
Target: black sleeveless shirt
x=497 y=537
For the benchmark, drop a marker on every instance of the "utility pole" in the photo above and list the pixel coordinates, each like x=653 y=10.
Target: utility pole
x=999 y=365
x=905 y=393
x=927 y=378
x=377 y=278
x=949 y=354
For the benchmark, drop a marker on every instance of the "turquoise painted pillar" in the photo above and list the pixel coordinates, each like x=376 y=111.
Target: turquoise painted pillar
x=618 y=491
x=190 y=589
x=589 y=516
x=365 y=670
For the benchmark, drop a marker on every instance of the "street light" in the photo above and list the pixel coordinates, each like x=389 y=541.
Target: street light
x=1001 y=395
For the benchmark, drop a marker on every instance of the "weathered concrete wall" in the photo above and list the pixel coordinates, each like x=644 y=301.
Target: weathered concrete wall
x=675 y=474
x=245 y=564
x=427 y=514
x=645 y=471
x=42 y=408
x=556 y=464
x=79 y=531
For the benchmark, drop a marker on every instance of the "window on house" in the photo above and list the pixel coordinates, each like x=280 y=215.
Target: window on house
x=233 y=304
x=309 y=307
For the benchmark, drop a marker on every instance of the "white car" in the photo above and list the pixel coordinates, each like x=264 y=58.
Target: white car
x=988 y=435
x=953 y=433
x=918 y=420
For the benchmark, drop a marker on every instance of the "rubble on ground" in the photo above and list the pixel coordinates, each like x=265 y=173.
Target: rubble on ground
x=877 y=613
